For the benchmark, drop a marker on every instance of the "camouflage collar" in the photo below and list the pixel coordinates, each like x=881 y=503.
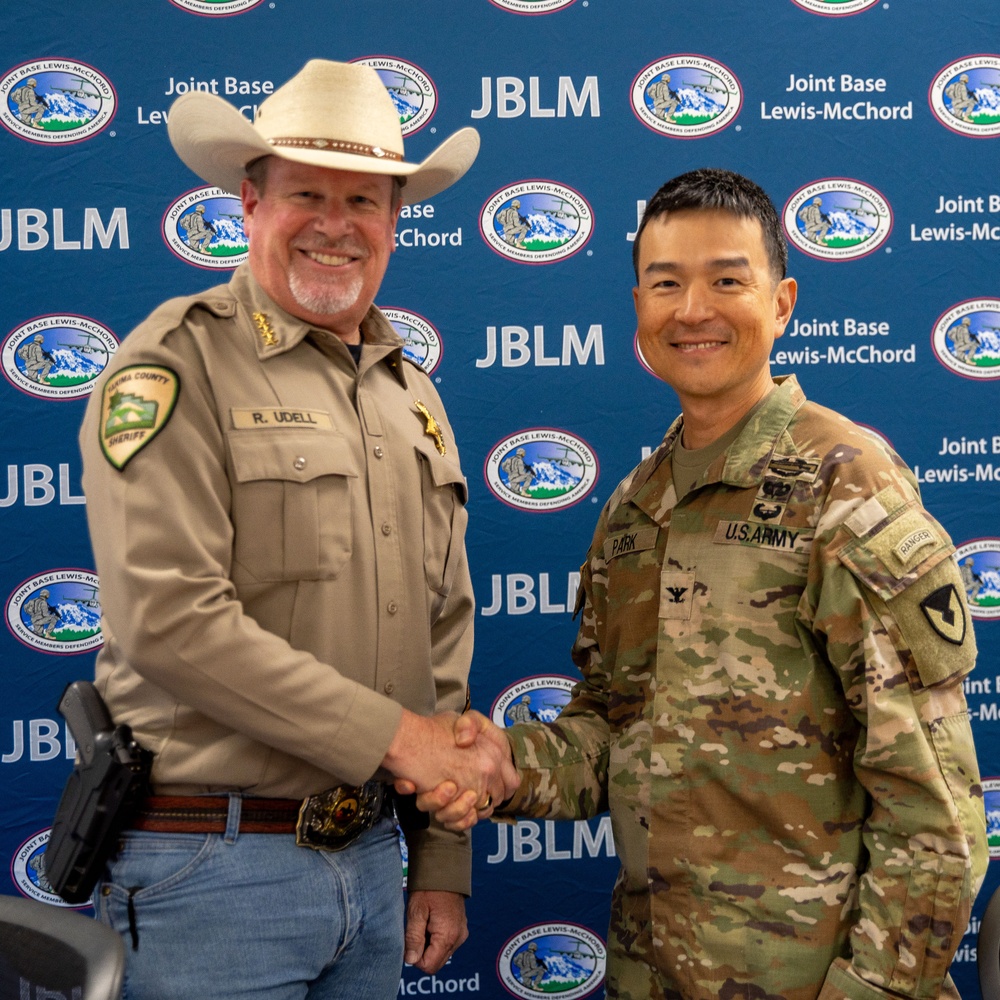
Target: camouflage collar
x=744 y=463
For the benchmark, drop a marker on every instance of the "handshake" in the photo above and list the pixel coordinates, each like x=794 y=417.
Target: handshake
x=460 y=766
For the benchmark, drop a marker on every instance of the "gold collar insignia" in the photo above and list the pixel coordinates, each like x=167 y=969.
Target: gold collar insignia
x=267 y=333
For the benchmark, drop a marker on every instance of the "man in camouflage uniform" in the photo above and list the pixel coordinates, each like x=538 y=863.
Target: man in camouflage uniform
x=44 y=618
x=31 y=107
x=200 y=232
x=817 y=226
x=37 y=361
x=532 y=970
x=520 y=711
x=965 y=341
x=971 y=580
x=519 y=473
x=665 y=100
x=963 y=101
x=772 y=704
x=515 y=226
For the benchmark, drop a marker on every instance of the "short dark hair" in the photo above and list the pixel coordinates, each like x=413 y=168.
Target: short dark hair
x=256 y=171
x=711 y=188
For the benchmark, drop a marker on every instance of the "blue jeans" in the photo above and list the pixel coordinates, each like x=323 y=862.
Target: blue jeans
x=236 y=916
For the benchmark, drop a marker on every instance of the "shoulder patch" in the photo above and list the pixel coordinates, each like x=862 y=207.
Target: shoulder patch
x=944 y=610
x=893 y=551
x=136 y=405
x=934 y=622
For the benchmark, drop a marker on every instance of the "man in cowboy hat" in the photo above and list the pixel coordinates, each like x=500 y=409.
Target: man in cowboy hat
x=277 y=514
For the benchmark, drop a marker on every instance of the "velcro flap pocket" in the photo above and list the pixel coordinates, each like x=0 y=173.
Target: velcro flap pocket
x=896 y=551
x=289 y=455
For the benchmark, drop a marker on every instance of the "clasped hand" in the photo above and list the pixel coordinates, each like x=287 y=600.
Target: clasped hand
x=460 y=766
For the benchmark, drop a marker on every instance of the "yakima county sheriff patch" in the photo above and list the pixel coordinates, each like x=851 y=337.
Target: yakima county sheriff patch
x=136 y=406
x=943 y=609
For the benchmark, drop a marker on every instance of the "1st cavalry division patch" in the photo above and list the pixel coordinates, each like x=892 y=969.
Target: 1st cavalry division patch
x=136 y=406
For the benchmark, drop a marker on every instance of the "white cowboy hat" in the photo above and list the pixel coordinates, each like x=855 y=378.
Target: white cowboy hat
x=330 y=114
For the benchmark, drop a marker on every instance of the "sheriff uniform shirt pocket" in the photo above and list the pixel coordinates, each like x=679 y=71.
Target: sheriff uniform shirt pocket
x=444 y=494
x=292 y=501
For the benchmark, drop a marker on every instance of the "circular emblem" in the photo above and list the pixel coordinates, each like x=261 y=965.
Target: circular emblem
x=536 y=222
x=835 y=8
x=57 y=612
x=564 y=960
x=532 y=6
x=534 y=699
x=216 y=8
x=966 y=339
x=205 y=227
x=686 y=96
x=837 y=219
x=422 y=342
x=991 y=803
x=541 y=469
x=979 y=563
x=965 y=96
x=56 y=101
x=57 y=357
x=411 y=89
x=27 y=871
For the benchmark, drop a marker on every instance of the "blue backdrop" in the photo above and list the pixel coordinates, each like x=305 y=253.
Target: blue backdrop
x=884 y=116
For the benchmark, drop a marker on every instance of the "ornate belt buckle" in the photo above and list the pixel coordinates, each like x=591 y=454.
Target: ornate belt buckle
x=334 y=819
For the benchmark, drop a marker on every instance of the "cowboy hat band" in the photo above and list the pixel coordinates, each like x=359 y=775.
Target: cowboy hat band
x=330 y=114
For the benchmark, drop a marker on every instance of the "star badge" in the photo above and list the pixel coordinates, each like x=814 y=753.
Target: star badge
x=433 y=428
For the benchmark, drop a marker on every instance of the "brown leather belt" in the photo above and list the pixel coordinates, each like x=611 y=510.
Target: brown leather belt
x=329 y=821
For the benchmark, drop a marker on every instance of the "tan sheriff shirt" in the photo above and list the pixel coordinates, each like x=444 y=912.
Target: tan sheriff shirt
x=280 y=544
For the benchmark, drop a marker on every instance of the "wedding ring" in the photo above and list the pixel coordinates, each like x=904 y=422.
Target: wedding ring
x=487 y=803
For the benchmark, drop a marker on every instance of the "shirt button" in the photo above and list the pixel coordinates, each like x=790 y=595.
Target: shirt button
x=378 y=451
x=299 y=463
x=386 y=528
x=392 y=607
x=389 y=687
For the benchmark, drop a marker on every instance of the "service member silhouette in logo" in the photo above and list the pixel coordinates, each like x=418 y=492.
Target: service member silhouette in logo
x=771 y=703
x=31 y=106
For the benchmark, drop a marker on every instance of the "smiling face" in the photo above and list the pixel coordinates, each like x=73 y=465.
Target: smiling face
x=709 y=309
x=320 y=241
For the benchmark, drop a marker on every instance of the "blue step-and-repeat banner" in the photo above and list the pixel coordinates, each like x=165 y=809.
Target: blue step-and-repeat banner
x=873 y=125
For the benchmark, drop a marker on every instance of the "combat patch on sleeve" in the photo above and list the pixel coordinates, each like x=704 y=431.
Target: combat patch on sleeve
x=136 y=405
x=934 y=622
x=944 y=610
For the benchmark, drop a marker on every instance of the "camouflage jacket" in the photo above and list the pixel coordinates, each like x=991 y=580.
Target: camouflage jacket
x=772 y=709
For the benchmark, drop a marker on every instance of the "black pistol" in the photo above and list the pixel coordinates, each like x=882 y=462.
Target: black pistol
x=109 y=780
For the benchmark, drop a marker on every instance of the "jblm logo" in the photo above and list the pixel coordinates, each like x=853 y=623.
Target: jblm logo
x=541 y=470
x=54 y=102
x=536 y=222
